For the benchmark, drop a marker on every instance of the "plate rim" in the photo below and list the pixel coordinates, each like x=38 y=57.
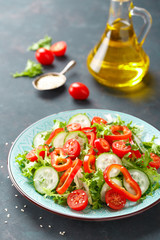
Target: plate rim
x=22 y=192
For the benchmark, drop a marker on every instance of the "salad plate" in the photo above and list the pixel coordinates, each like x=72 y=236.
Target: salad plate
x=24 y=143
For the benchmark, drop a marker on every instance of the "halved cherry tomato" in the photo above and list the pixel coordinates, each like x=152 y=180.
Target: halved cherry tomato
x=72 y=148
x=59 y=48
x=89 y=163
x=119 y=133
x=115 y=200
x=53 y=134
x=156 y=161
x=135 y=154
x=92 y=151
x=44 y=56
x=88 y=129
x=32 y=155
x=91 y=138
x=79 y=91
x=77 y=200
x=59 y=160
x=68 y=176
x=102 y=145
x=98 y=120
x=120 y=148
x=74 y=127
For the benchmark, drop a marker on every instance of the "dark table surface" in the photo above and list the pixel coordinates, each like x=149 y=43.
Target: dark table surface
x=80 y=24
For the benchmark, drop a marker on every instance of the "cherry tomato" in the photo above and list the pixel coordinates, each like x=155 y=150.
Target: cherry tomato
x=77 y=200
x=72 y=148
x=98 y=120
x=74 y=127
x=59 y=48
x=135 y=154
x=79 y=91
x=102 y=145
x=156 y=161
x=119 y=133
x=89 y=163
x=120 y=148
x=44 y=56
x=32 y=155
x=115 y=200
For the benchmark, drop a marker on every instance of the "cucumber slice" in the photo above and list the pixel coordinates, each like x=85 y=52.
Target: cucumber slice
x=106 y=187
x=58 y=140
x=39 y=139
x=141 y=178
x=45 y=178
x=79 y=136
x=106 y=159
x=81 y=118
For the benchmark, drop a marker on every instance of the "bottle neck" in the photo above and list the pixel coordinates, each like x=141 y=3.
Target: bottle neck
x=120 y=9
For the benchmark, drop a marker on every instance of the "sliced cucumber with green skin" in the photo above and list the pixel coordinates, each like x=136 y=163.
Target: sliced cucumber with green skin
x=80 y=118
x=58 y=140
x=106 y=159
x=45 y=178
x=39 y=139
x=106 y=187
x=79 y=136
x=141 y=178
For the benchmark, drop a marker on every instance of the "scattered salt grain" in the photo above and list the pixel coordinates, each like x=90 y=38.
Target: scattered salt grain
x=40 y=218
x=41 y=226
x=62 y=233
x=25 y=206
x=1 y=166
x=49 y=226
x=8 y=215
x=16 y=195
x=16 y=206
x=6 y=209
x=5 y=222
x=6 y=143
x=22 y=210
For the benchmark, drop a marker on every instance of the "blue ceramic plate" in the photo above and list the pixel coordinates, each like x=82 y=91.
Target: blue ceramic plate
x=24 y=142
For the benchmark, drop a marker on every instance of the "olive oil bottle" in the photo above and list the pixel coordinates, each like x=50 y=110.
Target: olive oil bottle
x=119 y=60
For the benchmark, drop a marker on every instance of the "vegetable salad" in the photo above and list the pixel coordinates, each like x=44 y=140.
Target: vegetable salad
x=92 y=161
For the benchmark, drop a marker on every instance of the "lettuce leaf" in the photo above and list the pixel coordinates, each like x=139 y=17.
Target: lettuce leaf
x=45 y=42
x=95 y=182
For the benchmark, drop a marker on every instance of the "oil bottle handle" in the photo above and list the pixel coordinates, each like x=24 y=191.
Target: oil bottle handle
x=136 y=11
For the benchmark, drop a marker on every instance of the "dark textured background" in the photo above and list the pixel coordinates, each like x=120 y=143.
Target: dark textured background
x=80 y=24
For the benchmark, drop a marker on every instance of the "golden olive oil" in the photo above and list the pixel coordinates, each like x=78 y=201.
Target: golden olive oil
x=118 y=60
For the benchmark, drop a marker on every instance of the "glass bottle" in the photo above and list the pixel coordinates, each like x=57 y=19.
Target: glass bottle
x=118 y=60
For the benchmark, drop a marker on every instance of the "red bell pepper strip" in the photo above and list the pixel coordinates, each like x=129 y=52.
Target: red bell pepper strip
x=119 y=133
x=59 y=160
x=68 y=176
x=89 y=163
x=128 y=178
x=53 y=134
x=91 y=137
